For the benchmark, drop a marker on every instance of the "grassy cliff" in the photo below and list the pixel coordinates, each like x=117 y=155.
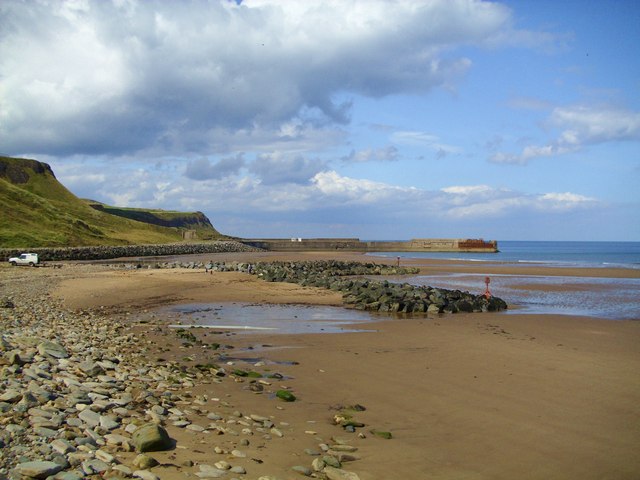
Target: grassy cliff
x=38 y=211
x=195 y=221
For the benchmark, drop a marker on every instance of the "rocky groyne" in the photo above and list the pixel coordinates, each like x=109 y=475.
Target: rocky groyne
x=360 y=293
x=376 y=295
x=103 y=252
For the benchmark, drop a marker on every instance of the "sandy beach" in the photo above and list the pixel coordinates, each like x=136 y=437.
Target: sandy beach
x=465 y=396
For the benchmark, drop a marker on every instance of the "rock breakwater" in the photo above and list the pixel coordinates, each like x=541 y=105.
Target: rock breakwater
x=360 y=293
x=102 y=252
x=376 y=295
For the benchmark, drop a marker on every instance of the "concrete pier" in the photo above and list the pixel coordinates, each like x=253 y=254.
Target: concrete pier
x=357 y=245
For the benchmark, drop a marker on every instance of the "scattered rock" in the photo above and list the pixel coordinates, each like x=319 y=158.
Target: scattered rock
x=52 y=349
x=145 y=475
x=38 y=469
x=302 y=470
x=209 y=471
x=11 y=396
x=382 y=434
x=151 y=438
x=286 y=395
x=144 y=462
x=339 y=474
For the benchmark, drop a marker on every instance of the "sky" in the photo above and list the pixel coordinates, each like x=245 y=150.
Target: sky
x=507 y=120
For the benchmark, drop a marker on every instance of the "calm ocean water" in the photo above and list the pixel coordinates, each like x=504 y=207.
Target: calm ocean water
x=611 y=298
x=584 y=254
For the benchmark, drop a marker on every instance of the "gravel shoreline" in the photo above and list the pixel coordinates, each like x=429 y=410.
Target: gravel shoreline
x=78 y=387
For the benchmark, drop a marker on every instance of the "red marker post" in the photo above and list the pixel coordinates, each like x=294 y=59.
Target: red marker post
x=487 y=292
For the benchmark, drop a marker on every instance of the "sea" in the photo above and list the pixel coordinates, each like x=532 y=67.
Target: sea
x=599 y=297
x=567 y=254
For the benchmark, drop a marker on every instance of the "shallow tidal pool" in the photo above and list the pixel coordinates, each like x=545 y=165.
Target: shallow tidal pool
x=280 y=319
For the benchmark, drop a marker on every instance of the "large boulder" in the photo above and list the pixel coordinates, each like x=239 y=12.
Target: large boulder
x=52 y=349
x=38 y=469
x=151 y=437
x=464 y=305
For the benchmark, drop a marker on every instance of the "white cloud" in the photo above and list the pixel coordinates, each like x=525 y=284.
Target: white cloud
x=484 y=201
x=466 y=190
x=337 y=189
x=583 y=125
x=119 y=77
x=579 y=126
x=564 y=201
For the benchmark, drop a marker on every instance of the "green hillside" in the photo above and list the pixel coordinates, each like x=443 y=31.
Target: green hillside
x=38 y=211
x=196 y=221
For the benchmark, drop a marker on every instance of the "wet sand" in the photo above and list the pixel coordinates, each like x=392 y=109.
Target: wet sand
x=466 y=396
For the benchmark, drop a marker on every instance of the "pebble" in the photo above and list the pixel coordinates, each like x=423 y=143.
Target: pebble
x=195 y=428
x=343 y=448
x=38 y=469
x=209 y=471
x=277 y=433
x=145 y=475
x=62 y=446
x=105 y=456
x=94 y=466
x=144 y=462
x=76 y=389
x=11 y=396
x=339 y=474
x=90 y=418
x=52 y=349
x=223 y=465
x=318 y=464
x=331 y=461
x=302 y=470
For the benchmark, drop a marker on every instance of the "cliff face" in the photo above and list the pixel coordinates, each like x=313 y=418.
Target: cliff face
x=163 y=218
x=19 y=172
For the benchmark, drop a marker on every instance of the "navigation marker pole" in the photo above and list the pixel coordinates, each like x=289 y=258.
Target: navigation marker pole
x=487 y=292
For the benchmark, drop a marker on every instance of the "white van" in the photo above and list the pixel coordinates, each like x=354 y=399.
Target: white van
x=30 y=259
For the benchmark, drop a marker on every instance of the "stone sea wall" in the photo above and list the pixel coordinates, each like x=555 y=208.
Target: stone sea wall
x=105 y=252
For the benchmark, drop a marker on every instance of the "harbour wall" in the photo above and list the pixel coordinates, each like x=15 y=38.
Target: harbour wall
x=357 y=245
